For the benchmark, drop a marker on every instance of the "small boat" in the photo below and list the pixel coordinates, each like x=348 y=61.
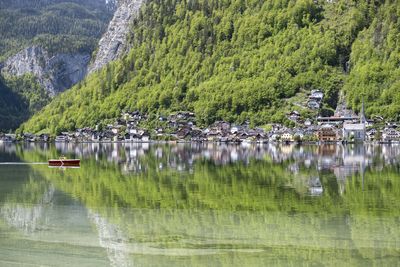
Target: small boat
x=64 y=162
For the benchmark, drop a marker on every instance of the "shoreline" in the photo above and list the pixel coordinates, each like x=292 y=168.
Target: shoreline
x=205 y=142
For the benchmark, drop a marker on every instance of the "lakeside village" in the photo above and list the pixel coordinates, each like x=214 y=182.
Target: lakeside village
x=345 y=127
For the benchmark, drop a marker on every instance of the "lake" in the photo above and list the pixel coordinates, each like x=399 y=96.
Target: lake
x=200 y=205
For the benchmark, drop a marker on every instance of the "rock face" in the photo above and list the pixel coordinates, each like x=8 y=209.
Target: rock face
x=113 y=43
x=55 y=73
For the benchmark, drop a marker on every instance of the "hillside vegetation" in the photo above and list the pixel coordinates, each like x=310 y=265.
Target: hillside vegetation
x=57 y=25
x=237 y=60
x=20 y=97
x=375 y=65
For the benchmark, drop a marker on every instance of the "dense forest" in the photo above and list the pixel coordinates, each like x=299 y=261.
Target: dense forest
x=241 y=60
x=57 y=25
x=20 y=97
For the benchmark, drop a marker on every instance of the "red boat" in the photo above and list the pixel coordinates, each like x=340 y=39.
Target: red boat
x=64 y=162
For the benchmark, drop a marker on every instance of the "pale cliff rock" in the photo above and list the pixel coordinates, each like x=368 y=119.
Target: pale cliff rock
x=113 y=43
x=55 y=73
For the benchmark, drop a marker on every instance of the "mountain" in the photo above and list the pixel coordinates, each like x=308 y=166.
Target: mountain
x=114 y=41
x=50 y=43
x=241 y=60
x=55 y=73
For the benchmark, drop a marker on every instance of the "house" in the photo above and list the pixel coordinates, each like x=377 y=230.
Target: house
x=222 y=126
x=317 y=95
x=183 y=132
x=61 y=138
x=145 y=138
x=354 y=132
x=44 y=137
x=298 y=136
x=133 y=130
x=29 y=137
x=377 y=118
x=275 y=137
x=129 y=137
x=327 y=133
x=162 y=118
x=313 y=104
x=159 y=132
x=95 y=137
x=236 y=129
x=287 y=137
x=7 y=138
x=294 y=115
x=307 y=123
x=371 y=134
x=390 y=134
x=185 y=115
x=116 y=129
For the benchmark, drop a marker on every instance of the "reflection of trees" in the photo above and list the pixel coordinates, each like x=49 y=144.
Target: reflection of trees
x=256 y=183
x=229 y=209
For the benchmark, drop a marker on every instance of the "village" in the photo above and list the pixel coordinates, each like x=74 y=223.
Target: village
x=343 y=127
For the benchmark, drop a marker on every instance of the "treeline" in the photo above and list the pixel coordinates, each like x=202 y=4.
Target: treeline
x=11 y=108
x=60 y=26
x=20 y=98
x=232 y=60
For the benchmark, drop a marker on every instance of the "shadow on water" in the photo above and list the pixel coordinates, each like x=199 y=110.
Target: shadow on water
x=205 y=204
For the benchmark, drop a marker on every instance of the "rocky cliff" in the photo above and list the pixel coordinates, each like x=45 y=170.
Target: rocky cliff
x=113 y=43
x=55 y=73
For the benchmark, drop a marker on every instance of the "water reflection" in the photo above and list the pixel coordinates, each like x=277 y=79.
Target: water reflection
x=27 y=217
x=207 y=204
x=342 y=160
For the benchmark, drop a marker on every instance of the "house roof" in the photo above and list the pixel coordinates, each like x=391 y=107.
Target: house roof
x=354 y=126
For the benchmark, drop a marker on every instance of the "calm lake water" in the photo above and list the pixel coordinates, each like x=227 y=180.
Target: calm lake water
x=200 y=205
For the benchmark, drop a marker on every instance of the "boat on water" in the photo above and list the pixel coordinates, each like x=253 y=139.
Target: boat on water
x=64 y=162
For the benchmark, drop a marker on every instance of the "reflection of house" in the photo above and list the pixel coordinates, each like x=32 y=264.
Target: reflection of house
x=315 y=187
x=327 y=133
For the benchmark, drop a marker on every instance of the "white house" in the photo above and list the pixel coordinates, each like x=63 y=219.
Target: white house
x=354 y=132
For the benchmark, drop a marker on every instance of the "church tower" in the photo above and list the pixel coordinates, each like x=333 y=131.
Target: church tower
x=363 y=120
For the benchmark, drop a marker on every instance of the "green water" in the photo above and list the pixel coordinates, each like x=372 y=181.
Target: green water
x=200 y=205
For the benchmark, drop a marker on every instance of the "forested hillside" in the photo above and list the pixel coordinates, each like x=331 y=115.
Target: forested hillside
x=17 y=103
x=375 y=64
x=57 y=26
x=239 y=60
